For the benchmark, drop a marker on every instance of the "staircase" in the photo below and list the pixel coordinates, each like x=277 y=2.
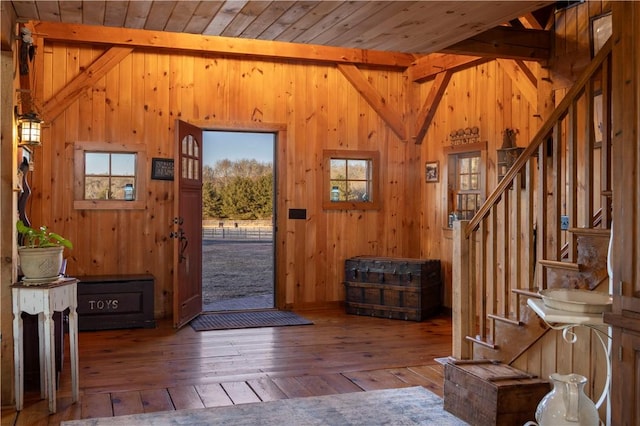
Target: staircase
x=519 y=242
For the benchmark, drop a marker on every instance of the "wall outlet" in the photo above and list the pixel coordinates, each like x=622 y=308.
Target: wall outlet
x=564 y=222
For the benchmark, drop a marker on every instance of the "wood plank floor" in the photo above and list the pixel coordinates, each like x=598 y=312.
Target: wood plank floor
x=144 y=370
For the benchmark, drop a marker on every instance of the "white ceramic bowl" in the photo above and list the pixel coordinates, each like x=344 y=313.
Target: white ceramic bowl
x=573 y=300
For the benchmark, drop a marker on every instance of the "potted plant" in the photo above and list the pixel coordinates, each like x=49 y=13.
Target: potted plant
x=41 y=252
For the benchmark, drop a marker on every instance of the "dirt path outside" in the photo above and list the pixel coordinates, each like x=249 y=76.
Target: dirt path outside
x=235 y=270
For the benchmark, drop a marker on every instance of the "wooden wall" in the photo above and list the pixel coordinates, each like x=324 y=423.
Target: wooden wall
x=8 y=200
x=486 y=96
x=137 y=102
x=139 y=99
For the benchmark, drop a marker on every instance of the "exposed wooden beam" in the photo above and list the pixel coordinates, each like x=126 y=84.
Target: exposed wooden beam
x=430 y=106
x=373 y=97
x=55 y=105
x=7 y=26
x=530 y=21
x=507 y=42
x=431 y=65
x=527 y=72
x=521 y=79
x=77 y=33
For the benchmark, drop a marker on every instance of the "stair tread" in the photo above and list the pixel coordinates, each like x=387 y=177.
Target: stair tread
x=596 y=232
x=560 y=264
x=529 y=293
x=505 y=319
x=482 y=342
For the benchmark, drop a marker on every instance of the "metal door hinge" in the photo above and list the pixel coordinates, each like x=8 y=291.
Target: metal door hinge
x=620 y=353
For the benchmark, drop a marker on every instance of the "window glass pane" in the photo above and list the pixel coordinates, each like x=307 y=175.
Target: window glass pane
x=184 y=145
x=338 y=169
x=184 y=168
x=117 y=187
x=471 y=202
x=96 y=163
x=106 y=173
x=357 y=191
x=357 y=169
x=195 y=149
x=196 y=169
x=474 y=181
x=475 y=165
x=464 y=165
x=96 y=188
x=464 y=183
x=123 y=164
x=190 y=146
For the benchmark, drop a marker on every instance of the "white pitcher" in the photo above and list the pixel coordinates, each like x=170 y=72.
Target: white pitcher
x=567 y=404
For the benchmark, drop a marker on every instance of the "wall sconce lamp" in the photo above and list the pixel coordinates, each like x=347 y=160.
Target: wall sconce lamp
x=29 y=126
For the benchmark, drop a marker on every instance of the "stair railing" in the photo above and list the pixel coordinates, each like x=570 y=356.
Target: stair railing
x=564 y=171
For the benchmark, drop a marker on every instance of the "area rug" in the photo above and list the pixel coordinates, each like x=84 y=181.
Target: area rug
x=247 y=319
x=397 y=407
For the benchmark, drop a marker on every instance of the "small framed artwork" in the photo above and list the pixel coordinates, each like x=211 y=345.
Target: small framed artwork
x=601 y=28
x=432 y=171
x=162 y=168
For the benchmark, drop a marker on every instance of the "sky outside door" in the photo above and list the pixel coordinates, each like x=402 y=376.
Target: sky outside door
x=237 y=244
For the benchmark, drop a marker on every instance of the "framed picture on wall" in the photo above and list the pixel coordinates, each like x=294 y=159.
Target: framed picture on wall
x=162 y=168
x=432 y=171
x=601 y=29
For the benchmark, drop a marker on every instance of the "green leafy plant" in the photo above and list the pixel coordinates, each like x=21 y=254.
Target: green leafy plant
x=41 y=237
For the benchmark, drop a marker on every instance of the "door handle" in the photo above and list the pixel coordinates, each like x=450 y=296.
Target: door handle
x=184 y=243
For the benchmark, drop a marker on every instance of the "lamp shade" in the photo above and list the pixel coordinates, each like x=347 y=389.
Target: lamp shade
x=29 y=126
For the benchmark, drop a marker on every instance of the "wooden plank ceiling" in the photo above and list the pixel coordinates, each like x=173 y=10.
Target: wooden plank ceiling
x=416 y=27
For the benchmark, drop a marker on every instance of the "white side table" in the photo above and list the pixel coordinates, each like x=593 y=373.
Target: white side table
x=43 y=300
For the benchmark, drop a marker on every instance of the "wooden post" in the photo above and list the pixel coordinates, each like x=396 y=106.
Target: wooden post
x=461 y=302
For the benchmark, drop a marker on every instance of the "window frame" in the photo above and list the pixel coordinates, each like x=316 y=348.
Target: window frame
x=332 y=154
x=454 y=153
x=80 y=148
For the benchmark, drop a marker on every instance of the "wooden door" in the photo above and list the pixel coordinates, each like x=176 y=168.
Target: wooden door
x=187 y=222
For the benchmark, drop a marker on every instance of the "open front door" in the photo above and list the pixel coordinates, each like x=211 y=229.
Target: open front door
x=187 y=224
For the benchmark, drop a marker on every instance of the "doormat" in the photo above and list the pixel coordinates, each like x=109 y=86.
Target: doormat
x=248 y=319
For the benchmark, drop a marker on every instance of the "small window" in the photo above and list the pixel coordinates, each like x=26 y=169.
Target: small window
x=465 y=181
x=109 y=176
x=351 y=180
x=468 y=195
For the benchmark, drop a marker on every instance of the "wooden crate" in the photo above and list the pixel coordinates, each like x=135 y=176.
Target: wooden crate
x=397 y=288
x=486 y=393
x=115 y=301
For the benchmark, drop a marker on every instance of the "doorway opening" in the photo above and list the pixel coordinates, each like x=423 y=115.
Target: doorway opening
x=238 y=252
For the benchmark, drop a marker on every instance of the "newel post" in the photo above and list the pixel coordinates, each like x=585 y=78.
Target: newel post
x=461 y=292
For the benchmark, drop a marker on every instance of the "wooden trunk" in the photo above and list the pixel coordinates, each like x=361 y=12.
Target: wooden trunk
x=115 y=301
x=486 y=393
x=408 y=289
